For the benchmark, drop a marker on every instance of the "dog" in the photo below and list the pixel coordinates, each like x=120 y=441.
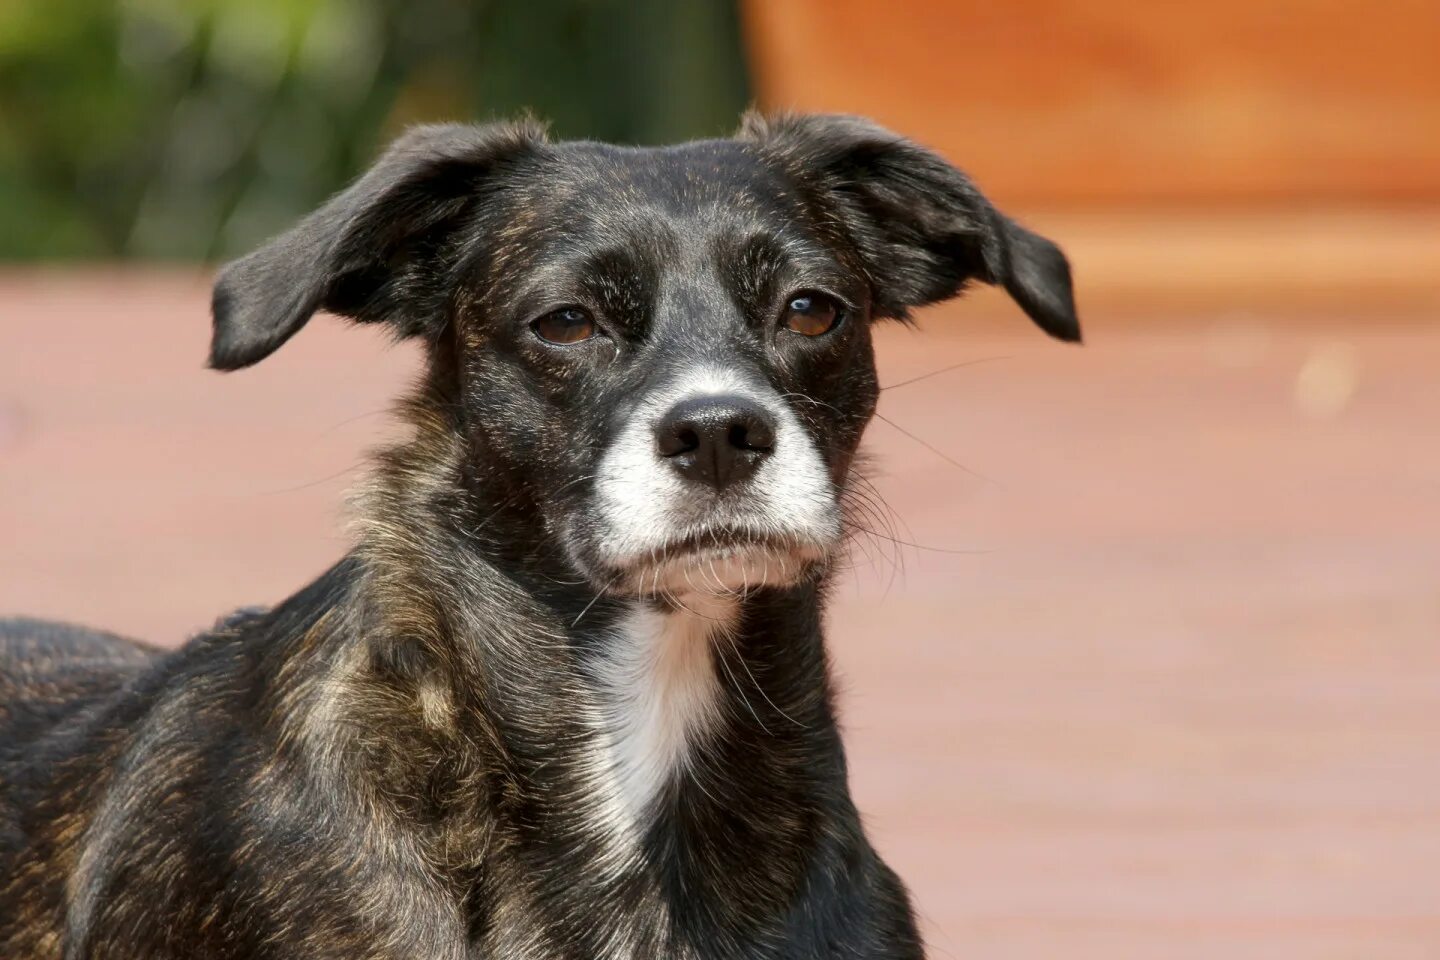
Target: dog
x=567 y=695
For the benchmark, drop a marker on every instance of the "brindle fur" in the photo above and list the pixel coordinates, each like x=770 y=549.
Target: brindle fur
x=391 y=763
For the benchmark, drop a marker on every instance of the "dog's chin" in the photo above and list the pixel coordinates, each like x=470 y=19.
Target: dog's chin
x=715 y=569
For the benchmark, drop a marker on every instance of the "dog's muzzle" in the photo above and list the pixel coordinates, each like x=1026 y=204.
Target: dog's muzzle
x=713 y=484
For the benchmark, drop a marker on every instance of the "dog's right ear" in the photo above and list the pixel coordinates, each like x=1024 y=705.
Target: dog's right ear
x=378 y=251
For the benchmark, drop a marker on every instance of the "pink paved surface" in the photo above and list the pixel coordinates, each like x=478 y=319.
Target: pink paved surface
x=1182 y=701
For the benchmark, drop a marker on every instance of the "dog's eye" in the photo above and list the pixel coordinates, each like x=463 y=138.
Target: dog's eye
x=811 y=314
x=566 y=325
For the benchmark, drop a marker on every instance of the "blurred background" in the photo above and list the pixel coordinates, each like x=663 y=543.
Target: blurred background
x=1158 y=672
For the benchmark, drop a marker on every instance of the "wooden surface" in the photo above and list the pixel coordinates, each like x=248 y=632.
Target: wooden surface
x=1183 y=701
x=1052 y=102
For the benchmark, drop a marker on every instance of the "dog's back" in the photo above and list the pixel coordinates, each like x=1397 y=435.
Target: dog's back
x=50 y=670
x=59 y=687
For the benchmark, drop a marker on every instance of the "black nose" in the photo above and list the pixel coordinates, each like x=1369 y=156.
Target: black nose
x=717 y=440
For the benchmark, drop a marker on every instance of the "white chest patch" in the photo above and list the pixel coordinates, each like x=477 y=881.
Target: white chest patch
x=658 y=696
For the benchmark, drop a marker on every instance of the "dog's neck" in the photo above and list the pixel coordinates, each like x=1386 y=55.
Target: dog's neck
x=582 y=750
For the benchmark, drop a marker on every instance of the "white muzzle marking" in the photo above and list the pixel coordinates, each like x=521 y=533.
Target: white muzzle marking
x=787 y=510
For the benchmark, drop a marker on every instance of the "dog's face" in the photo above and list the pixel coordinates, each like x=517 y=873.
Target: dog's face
x=663 y=355
x=671 y=352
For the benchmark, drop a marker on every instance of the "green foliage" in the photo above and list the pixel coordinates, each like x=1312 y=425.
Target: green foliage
x=195 y=128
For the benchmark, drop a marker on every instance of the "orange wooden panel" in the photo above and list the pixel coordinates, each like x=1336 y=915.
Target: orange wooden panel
x=1066 y=101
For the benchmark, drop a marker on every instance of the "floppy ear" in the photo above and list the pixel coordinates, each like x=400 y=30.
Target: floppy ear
x=377 y=251
x=922 y=228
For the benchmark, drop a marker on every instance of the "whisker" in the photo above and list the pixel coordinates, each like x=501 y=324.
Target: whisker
x=735 y=646
x=868 y=501
x=936 y=373
x=359 y=416
x=935 y=450
x=596 y=599
x=313 y=483
x=858 y=503
x=739 y=692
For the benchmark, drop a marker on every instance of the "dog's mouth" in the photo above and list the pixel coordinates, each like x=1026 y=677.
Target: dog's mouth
x=717 y=560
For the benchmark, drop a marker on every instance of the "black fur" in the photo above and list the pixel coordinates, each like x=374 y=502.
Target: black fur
x=394 y=762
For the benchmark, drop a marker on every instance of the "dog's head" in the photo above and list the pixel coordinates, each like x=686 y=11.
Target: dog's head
x=664 y=355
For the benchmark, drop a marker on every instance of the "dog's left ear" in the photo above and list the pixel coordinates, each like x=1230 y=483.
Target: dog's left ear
x=377 y=251
x=922 y=228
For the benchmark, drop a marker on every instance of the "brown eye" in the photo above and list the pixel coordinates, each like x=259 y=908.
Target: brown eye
x=566 y=325
x=811 y=314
